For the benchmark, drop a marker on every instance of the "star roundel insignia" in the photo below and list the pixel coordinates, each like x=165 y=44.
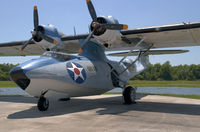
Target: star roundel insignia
x=76 y=72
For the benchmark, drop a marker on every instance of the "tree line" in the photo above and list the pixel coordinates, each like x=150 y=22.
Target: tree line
x=168 y=72
x=154 y=72
x=4 y=71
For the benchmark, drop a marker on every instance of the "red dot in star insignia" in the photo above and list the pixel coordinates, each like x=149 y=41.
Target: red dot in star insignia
x=76 y=70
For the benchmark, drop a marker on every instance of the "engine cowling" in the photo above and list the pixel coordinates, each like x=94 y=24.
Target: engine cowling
x=105 y=36
x=50 y=31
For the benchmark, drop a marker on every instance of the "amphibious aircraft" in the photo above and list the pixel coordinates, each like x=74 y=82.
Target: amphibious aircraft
x=90 y=72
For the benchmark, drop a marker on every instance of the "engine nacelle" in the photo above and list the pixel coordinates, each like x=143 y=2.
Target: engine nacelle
x=50 y=31
x=105 y=36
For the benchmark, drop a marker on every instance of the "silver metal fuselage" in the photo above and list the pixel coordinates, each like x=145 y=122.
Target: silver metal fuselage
x=49 y=72
x=89 y=73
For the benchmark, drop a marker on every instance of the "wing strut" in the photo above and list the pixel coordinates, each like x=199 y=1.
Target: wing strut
x=141 y=53
x=142 y=40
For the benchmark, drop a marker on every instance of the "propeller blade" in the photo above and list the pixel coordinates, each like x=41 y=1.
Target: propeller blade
x=25 y=44
x=114 y=26
x=87 y=39
x=91 y=10
x=35 y=18
x=47 y=38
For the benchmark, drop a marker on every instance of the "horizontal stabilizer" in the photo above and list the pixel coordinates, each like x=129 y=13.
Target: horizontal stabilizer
x=151 y=52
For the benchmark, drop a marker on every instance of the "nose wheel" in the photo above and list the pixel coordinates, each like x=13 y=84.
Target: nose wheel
x=129 y=95
x=43 y=103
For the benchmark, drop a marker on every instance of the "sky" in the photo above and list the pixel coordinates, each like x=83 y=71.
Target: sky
x=17 y=19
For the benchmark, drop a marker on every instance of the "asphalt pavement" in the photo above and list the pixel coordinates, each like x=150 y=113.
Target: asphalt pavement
x=152 y=113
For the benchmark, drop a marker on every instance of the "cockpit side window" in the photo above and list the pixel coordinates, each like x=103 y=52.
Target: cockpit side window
x=59 y=56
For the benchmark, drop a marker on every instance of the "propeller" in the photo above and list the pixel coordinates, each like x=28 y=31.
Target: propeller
x=35 y=18
x=107 y=26
x=37 y=32
x=96 y=25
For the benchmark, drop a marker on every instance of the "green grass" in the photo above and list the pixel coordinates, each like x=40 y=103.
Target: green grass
x=171 y=95
x=7 y=84
x=137 y=83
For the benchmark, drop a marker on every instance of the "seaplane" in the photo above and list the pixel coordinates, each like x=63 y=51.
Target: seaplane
x=78 y=65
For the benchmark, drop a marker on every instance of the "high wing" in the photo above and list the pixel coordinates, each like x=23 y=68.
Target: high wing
x=12 y=48
x=166 y=36
x=176 y=35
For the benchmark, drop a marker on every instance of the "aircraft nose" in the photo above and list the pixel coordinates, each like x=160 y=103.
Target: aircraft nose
x=18 y=76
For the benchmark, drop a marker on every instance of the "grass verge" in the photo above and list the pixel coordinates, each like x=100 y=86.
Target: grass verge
x=138 y=83
x=171 y=95
x=7 y=84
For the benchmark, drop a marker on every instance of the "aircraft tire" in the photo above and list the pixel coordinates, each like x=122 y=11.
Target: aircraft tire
x=43 y=104
x=129 y=95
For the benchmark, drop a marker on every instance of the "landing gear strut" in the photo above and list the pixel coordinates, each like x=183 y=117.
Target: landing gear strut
x=129 y=95
x=43 y=103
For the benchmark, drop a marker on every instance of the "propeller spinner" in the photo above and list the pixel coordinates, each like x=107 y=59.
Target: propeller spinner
x=96 y=25
x=37 y=32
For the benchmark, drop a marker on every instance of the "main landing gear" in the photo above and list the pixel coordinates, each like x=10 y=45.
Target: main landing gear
x=43 y=103
x=129 y=95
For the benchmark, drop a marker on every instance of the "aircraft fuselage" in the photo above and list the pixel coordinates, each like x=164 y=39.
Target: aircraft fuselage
x=73 y=75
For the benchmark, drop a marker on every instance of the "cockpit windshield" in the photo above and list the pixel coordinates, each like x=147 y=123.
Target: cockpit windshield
x=59 y=56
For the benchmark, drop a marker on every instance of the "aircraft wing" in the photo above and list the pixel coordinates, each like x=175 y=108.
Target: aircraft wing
x=166 y=36
x=12 y=49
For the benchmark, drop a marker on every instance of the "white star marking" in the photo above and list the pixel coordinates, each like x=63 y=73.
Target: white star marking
x=75 y=75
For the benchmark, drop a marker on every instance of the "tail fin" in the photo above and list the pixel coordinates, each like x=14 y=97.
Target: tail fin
x=144 y=61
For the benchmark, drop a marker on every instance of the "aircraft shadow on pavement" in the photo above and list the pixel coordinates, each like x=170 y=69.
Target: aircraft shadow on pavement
x=111 y=105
